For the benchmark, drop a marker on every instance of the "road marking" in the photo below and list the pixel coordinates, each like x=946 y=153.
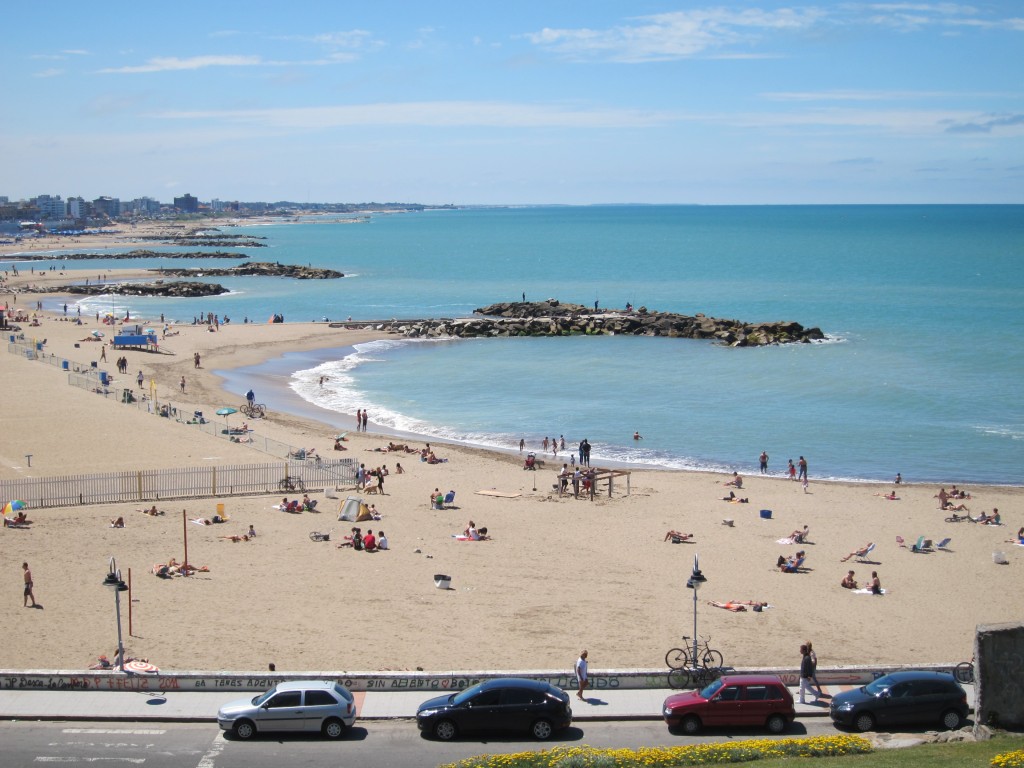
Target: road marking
x=213 y=752
x=130 y=731
x=136 y=760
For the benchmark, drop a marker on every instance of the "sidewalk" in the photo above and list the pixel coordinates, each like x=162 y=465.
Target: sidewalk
x=189 y=706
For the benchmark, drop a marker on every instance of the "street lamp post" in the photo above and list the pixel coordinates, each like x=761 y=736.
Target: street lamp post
x=694 y=582
x=113 y=580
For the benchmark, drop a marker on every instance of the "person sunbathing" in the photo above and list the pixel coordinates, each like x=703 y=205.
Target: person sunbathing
x=236 y=538
x=848 y=581
x=677 y=536
x=792 y=563
x=307 y=503
x=736 y=482
x=961 y=507
x=740 y=605
x=152 y=511
x=858 y=553
x=993 y=519
x=800 y=536
x=117 y=523
x=732 y=498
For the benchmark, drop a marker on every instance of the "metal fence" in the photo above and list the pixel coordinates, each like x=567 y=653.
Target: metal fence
x=186 y=482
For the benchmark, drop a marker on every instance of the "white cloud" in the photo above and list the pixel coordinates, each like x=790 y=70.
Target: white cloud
x=435 y=114
x=174 y=64
x=52 y=72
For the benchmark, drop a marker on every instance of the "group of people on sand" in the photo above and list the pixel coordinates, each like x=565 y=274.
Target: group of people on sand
x=247 y=536
x=850 y=582
x=472 y=533
x=367 y=542
x=173 y=568
x=295 y=505
x=20 y=520
x=948 y=499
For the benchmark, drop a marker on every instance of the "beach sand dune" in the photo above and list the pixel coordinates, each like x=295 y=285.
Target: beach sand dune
x=560 y=574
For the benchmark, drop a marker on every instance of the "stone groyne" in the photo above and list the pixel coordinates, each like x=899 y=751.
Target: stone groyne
x=553 y=318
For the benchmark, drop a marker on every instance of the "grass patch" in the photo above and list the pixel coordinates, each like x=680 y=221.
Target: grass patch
x=966 y=754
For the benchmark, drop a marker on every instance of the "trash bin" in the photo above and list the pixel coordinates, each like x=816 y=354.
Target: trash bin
x=104 y=379
x=64 y=365
x=766 y=514
x=442 y=582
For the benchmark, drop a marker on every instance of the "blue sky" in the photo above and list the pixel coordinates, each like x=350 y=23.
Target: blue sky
x=562 y=101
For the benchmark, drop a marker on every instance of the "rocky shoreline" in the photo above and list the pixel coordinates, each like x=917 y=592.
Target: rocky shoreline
x=254 y=268
x=552 y=318
x=182 y=289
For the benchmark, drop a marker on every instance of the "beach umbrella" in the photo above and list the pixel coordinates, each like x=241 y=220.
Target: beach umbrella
x=139 y=666
x=13 y=506
x=225 y=412
x=97 y=334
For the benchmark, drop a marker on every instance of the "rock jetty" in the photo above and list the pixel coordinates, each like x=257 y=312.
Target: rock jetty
x=138 y=253
x=552 y=318
x=257 y=268
x=181 y=289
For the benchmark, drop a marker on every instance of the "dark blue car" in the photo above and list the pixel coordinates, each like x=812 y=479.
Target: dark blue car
x=929 y=698
x=506 y=705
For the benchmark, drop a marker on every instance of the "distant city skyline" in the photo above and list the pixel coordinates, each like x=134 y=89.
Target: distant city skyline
x=557 y=103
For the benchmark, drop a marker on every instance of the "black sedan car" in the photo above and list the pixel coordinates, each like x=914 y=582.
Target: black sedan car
x=902 y=697
x=506 y=705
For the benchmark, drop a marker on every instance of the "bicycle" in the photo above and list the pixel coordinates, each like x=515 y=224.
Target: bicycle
x=292 y=484
x=678 y=658
x=697 y=677
x=253 y=410
x=964 y=671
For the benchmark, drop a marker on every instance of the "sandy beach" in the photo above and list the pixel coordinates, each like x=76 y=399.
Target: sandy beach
x=560 y=574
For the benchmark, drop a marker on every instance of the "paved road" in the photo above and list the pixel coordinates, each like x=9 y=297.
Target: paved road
x=386 y=744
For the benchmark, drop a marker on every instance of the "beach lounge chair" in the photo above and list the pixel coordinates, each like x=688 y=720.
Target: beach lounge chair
x=918 y=546
x=900 y=541
x=862 y=554
x=795 y=567
x=449 y=499
x=944 y=543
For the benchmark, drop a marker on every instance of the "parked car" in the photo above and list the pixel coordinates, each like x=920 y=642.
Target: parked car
x=902 y=697
x=505 y=705
x=746 y=700
x=303 y=705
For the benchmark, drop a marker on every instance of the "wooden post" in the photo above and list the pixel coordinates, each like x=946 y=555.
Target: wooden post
x=184 y=528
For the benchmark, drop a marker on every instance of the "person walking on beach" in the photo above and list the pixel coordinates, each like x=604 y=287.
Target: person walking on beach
x=359 y=419
x=806 y=675
x=139 y=379
x=103 y=353
x=522 y=444
x=195 y=359
x=803 y=468
x=586 y=452
x=763 y=459
x=366 y=417
x=28 y=587
x=581 y=450
x=182 y=385
x=582 y=679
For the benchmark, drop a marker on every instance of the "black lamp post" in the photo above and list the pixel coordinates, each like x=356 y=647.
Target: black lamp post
x=113 y=580
x=694 y=582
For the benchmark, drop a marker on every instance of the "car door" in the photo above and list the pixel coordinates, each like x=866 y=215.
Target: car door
x=724 y=708
x=481 y=713
x=897 y=704
x=318 y=705
x=518 y=709
x=282 y=712
x=756 y=706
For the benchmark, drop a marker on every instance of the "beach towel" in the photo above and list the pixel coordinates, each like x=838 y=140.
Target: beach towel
x=785 y=541
x=499 y=494
x=866 y=591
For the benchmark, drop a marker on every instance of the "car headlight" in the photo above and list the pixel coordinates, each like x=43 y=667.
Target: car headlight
x=427 y=712
x=846 y=706
x=667 y=711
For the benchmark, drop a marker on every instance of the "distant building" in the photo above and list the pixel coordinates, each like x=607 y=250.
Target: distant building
x=52 y=208
x=107 y=206
x=186 y=203
x=79 y=207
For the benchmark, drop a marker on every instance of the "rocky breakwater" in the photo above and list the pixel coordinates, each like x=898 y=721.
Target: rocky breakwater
x=181 y=289
x=552 y=318
x=257 y=268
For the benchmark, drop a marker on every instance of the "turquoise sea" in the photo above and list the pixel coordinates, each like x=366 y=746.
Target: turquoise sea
x=923 y=307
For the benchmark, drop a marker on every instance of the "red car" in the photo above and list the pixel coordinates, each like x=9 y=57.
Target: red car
x=745 y=700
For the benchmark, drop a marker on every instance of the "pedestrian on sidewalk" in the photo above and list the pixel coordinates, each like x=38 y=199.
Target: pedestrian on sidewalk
x=814 y=673
x=806 y=675
x=582 y=678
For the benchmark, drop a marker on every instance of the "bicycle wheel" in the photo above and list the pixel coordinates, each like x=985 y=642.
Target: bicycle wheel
x=286 y=485
x=712 y=658
x=678 y=678
x=259 y=411
x=677 y=658
x=964 y=672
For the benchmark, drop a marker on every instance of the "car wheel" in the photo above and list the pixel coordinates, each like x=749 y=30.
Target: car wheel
x=445 y=730
x=865 y=721
x=691 y=725
x=542 y=730
x=244 y=729
x=776 y=724
x=951 y=719
x=333 y=729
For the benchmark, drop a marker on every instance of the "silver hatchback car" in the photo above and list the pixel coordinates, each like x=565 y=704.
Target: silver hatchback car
x=301 y=705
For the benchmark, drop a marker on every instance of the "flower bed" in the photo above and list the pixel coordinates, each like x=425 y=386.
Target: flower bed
x=1013 y=759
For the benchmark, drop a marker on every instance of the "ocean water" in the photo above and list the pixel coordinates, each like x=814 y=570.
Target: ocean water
x=922 y=305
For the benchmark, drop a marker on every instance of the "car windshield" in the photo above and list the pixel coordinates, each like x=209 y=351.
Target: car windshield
x=712 y=689
x=466 y=695
x=262 y=698
x=878 y=686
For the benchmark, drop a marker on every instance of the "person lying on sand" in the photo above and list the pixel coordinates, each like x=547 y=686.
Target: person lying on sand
x=891 y=496
x=949 y=505
x=236 y=538
x=848 y=581
x=740 y=605
x=676 y=535
x=732 y=498
x=152 y=511
x=117 y=523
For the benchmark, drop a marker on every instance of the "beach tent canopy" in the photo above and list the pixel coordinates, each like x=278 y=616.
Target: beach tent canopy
x=353 y=510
